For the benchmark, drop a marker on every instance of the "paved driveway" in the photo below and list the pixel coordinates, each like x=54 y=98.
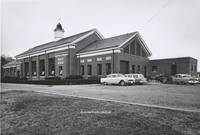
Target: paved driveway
x=164 y=95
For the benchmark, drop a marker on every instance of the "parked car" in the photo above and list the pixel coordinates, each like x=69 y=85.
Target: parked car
x=184 y=79
x=117 y=79
x=139 y=78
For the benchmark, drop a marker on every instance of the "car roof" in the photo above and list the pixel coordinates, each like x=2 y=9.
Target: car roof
x=115 y=74
x=133 y=74
x=182 y=74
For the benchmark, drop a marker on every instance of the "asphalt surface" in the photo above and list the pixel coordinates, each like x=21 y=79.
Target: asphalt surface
x=165 y=96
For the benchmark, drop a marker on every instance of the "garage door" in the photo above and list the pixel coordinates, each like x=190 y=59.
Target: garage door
x=124 y=67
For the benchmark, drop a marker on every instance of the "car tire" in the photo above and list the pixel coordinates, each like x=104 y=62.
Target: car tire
x=105 y=83
x=122 y=83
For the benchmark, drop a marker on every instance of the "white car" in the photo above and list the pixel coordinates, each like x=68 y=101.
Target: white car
x=185 y=79
x=139 y=78
x=117 y=79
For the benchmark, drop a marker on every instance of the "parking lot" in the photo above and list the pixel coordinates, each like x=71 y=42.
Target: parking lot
x=153 y=94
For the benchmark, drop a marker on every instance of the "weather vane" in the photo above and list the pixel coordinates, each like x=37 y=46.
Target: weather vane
x=59 y=20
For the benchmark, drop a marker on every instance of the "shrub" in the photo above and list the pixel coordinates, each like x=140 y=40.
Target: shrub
x=94 y=77
x=53 y=78
x=11 y=79
x=74 y=77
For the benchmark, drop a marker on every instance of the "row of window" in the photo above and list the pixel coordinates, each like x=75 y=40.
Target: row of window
x=51 y=66
x=98 y=59
x=135 y=49
x=99 y=69
x=107 y=69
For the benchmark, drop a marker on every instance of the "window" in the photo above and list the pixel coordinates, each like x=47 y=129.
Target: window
x=89 y=60
x=132 y=48
x=154 y=68
x=52 y=66
x=138 y=69
x=99 y=69
x=42 y=67
x=82 y=69
x=133 y=68
x=143 y=53
x=82 y=61
x=113 y=76
x=89 y=69
x=60 y=71
x=33 y=68
x=99 y=59
x=27 y=68
x=108 y=58
x=18 y=66
x=191 y=67
x=108 y=68
x=109 y=76
x=129 y=76
x=195 y=68
x=60 y=60
x=126 y=49
x=138 y=49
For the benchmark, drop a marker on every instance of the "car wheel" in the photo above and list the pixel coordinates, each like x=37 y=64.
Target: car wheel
x=105 y=83
x=122 y=83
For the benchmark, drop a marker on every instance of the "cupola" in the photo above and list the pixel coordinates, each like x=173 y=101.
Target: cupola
x=58 y=32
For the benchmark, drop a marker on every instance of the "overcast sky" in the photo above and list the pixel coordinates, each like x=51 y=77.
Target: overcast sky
x=170 y=28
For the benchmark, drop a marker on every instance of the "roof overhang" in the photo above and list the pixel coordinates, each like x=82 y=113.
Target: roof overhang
x=47 y=50
x=99 y=52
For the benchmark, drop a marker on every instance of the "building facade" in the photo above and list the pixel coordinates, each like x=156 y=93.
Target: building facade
x=87 y=54
x=90 y=54
x=172 y=66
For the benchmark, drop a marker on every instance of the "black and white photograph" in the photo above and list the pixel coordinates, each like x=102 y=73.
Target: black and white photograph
x=100 y=67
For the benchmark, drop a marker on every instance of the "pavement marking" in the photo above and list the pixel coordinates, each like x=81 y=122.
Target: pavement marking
x=126 y=102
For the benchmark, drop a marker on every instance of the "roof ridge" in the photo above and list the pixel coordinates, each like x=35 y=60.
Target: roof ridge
x=122 y=35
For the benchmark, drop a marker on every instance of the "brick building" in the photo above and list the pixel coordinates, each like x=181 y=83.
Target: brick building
x=90 y=54
x=172 y=66
x=87 y=54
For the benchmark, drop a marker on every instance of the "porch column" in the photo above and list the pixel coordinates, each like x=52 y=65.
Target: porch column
x=46 y=65
x=30 y=68
x=38 y=67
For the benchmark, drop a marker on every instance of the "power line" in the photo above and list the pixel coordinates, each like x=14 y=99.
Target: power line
x=155 y=14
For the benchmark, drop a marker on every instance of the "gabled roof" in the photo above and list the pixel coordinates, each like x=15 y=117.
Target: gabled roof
x=107 y=43
x=66 y=40
x=115 y=42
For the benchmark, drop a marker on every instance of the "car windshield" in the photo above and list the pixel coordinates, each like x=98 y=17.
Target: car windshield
x=141 y=76
x=109 y=76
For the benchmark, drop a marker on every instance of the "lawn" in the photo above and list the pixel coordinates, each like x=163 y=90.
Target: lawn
x=35 y=113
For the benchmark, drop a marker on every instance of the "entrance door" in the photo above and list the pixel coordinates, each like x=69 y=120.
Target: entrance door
x=173 y=69
x=124 y=67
